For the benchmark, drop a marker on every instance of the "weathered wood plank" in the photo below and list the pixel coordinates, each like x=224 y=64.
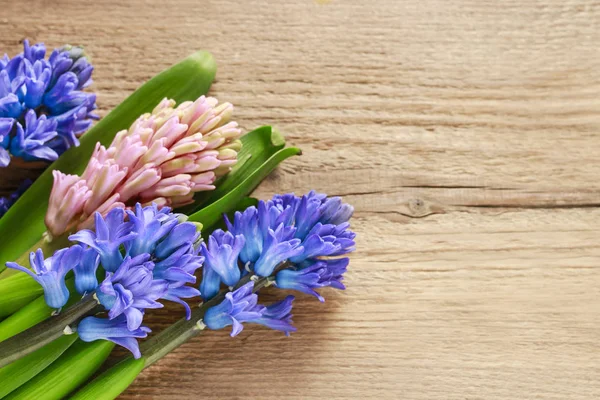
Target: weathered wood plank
x=465 y=132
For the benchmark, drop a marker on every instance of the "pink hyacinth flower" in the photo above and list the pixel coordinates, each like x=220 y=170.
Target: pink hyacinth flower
x=165 y=157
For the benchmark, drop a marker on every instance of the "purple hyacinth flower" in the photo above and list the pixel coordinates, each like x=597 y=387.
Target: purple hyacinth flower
x=6 y=126
x=151 y=225
x=31 y=143
x=115 y=330
x=37 y=77
x=315 y=274
x=131 y=289
x=239 y=306
x=51 y=90
x=71 y=59
x=210 y=284
x=110 y=234
x=10 y=105
x=279 y=246
x=333 y=211
x=182 y=235
x=221 y=257
x=178 y=265
x=278 y=316
x=50 y=273
x=326 y=240
x=246 y=223
x=35 y=52
x=85 y=271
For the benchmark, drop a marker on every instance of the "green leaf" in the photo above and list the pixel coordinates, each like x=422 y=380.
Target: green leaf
x=33 y=313
x=19 y=372
x=112 y=382
x=23 y=225
x=64 y=375
x=16 y=292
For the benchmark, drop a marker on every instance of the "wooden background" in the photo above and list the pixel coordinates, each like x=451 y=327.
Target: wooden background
x=464 y=132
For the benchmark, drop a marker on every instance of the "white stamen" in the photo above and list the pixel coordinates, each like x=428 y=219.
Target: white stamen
x=68 y=330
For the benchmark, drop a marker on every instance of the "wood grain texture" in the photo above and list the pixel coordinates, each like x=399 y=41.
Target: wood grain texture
x=464 y=132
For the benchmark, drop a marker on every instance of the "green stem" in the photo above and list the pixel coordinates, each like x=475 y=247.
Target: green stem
x=39 y=335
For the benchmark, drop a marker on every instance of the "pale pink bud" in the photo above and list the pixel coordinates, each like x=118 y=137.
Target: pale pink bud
x=129 y=151
x=177 y=185
x=207 y=163
x=178 y=166
x=172 y=130
x=164 y=104
x=68 y=196
x=156 y=154
x=107 y=178
x=141 y=180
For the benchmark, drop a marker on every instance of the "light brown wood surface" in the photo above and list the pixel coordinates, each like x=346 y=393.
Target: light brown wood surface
x=465 y=133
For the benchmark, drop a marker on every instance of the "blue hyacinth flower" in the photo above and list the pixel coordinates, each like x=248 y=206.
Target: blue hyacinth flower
x=239 y=306
x=52 y=91
x=85 y=271
x=246 y=223
x=279 y=246
x=115 y=330
x=176 y=262
x=220 y=262
x=151 y=225
x=314 y=274
x=30 y=143
x=131 y=289
x=50 y=273
x=110 y=234
x=278 y=316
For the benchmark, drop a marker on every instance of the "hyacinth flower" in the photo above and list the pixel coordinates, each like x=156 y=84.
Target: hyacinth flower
x=242 y=305
x=140 y=281
x=85 y=271
x=50 y=273
x=314 y=275
x=165 y=157
x=107 y=238
x=131 y=289
x=221 y=262
x=116 y=330
x=43 y=108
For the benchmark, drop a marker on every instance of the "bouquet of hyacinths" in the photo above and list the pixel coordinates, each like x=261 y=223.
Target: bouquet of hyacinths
x=153 y=207
x=43 y=107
